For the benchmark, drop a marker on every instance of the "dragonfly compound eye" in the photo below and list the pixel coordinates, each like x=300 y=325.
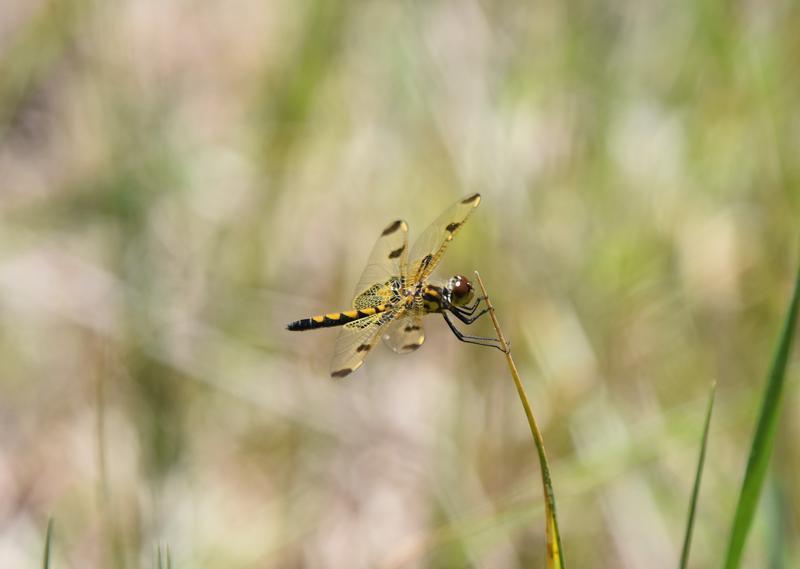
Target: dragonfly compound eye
x=461 y=290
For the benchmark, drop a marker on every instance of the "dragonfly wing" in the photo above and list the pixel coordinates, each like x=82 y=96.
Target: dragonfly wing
x=405 y=334
x=387 y=261
x=431 y=244
x=356 y=339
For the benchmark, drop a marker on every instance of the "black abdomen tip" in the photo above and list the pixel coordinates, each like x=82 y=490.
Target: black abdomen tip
x=297 y=325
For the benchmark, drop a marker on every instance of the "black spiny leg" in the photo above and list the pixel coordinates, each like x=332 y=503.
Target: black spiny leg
x=470 y=309
x=480 y=341
x=465 y=316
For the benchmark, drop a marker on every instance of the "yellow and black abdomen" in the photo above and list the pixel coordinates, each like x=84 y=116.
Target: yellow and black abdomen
x=334 y=318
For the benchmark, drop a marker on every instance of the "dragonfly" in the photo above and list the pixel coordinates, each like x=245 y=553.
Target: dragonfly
x=395 y=292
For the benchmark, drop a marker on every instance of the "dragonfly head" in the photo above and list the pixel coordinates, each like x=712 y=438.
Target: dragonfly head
x=460 y=290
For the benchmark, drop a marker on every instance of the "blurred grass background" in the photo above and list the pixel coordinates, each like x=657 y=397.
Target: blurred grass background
x=179 y=180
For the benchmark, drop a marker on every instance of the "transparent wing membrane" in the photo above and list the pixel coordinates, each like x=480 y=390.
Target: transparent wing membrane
x=432 y=243
x=356 y=339
x=376 y=295
x=387 y=261
x=404 y=335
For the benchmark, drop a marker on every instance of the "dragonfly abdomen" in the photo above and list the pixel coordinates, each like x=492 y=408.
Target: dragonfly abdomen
x=334 y=318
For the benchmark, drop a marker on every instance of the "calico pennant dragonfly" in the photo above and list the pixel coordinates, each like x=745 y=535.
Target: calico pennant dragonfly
x=393 y=294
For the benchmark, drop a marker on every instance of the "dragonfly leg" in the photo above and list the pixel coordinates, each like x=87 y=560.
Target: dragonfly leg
x=467 y=317
x=470 y=309
x=479 y=340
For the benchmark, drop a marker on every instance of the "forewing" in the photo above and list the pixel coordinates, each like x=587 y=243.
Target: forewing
x=387 y=260
x=431 y=244
x=356 y=339
x=404 y=335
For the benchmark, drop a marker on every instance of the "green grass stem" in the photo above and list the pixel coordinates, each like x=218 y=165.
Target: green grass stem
x=48 y=538
x=764 y=437
x=687 y=539
x=555 y=559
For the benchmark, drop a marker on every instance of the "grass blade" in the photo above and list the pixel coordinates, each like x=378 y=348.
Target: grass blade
x=554 y=556
x=778 y=516
x=687 y=540
x=163 y=561
x=764 y=437
x=47 y=540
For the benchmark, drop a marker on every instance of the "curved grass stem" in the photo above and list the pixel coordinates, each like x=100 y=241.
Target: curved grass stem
x=552 y=535
x=764 y=435
x=48 y=539
x=687 y=539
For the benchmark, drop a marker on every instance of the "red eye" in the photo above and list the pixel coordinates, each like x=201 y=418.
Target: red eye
x=460 y=286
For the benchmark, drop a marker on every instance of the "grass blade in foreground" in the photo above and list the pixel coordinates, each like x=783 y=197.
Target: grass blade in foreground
x=687 y=540
x=47 y=539
x=552 y=535
x=764 y=437
x=163 y=561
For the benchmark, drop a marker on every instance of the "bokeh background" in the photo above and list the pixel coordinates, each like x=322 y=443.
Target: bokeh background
x=178 y=180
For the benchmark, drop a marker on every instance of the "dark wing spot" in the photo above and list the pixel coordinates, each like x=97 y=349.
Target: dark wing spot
x=471 y=198
x=392 y=227
x=452 y=227
x=411 y=347
x=411 y=328
x=342 y=372
x=363 y=348
x=397 y=252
